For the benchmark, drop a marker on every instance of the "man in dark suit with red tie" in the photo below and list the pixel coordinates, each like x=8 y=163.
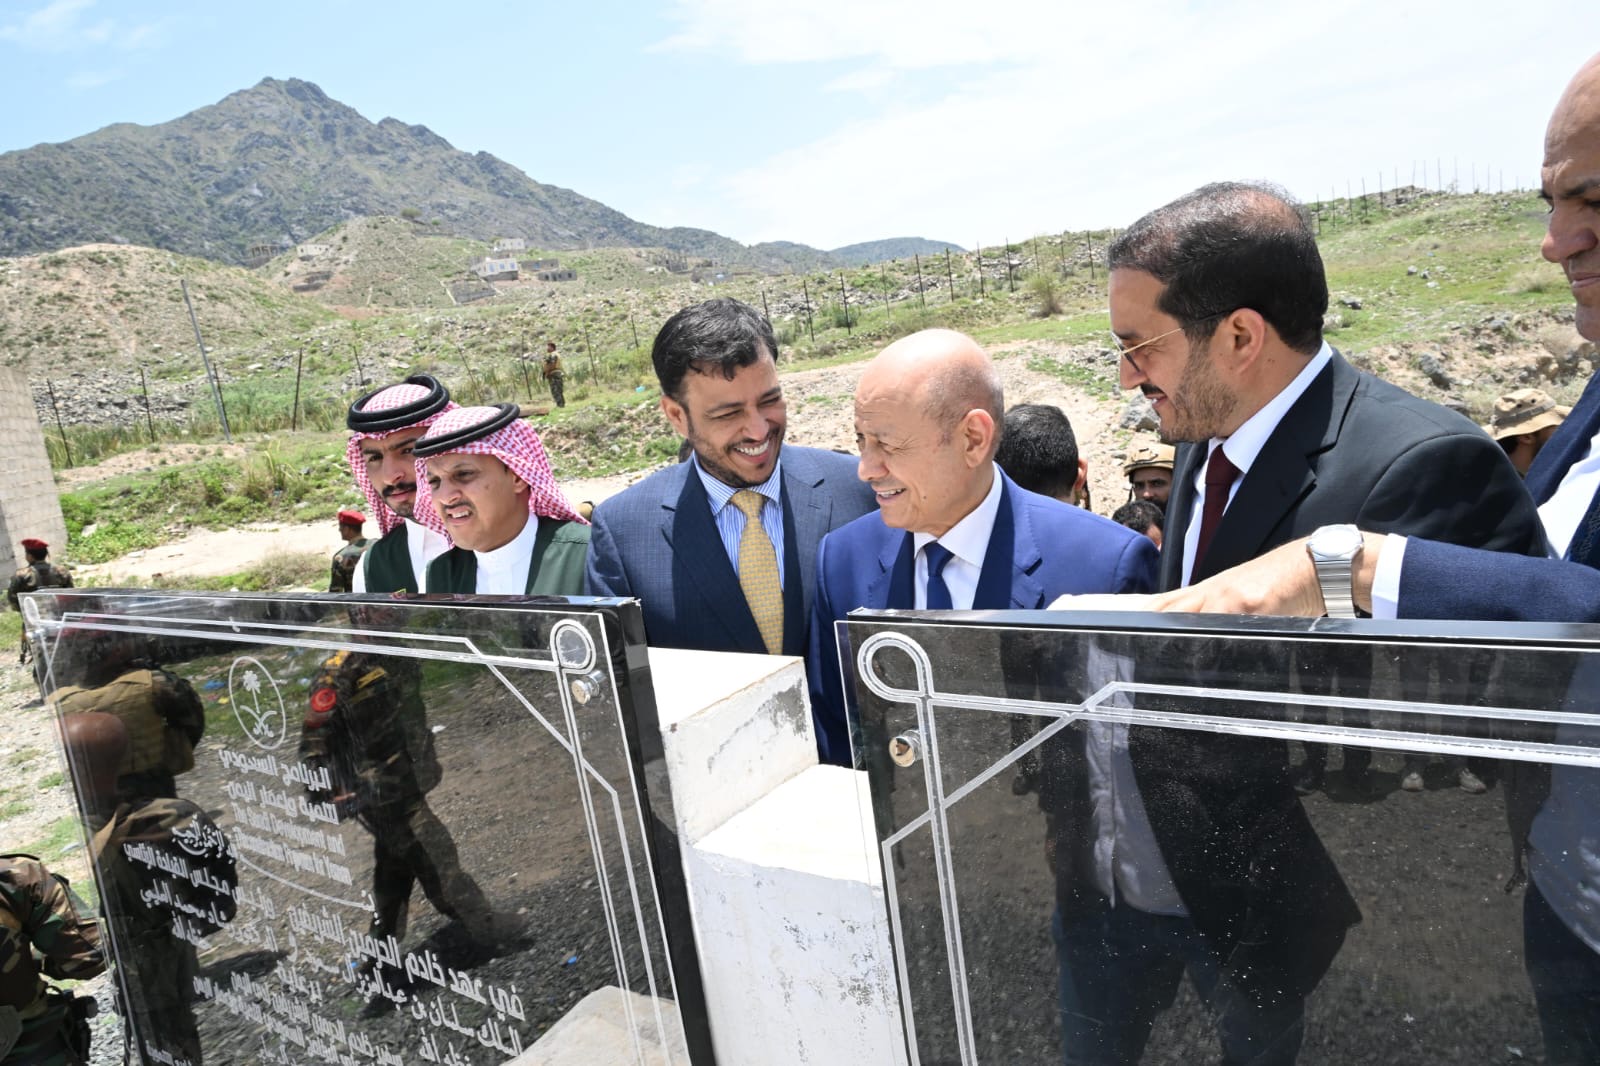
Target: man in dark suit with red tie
x=1552 y=808
x=1217 y=302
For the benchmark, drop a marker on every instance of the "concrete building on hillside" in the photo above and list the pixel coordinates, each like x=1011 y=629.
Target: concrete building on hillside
x=509 y=244
x=29 y=503
x=492 y=269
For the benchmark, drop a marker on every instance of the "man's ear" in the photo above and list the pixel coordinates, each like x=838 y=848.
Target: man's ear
x=1083 y=476
x=977 y=432
x=675 y=414
x=1240 y=339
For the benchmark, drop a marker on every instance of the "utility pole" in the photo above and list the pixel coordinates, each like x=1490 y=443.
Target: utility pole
x=216 y=389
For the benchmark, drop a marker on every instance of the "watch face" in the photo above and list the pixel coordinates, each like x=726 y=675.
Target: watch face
x=1336 y=541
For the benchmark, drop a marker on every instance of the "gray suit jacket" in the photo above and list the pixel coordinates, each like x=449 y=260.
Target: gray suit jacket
x=658 y=542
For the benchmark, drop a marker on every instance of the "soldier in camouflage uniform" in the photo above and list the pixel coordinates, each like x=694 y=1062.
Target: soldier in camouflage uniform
x=154 y=945
x=367 y=725
x=44 y=932
x=347 y=558
x=553 y=375
x=161 y=711
x=40 y=573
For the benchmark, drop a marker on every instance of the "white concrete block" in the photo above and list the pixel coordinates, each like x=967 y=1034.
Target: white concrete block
x=794 y=943
x=733 y=727
x=610 y=1027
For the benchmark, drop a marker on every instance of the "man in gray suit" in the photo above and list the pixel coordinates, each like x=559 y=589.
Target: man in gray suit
x=682 y=540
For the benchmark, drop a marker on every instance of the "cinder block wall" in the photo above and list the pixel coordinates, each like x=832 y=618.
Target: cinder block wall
x=29 y=504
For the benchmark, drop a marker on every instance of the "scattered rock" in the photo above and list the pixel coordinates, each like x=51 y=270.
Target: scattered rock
x=1433 y=369
x=1139 y=416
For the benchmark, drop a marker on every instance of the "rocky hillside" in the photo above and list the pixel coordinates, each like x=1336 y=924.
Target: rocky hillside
x=282 y=161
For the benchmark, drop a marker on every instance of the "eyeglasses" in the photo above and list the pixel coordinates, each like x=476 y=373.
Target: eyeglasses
x=1127 y=353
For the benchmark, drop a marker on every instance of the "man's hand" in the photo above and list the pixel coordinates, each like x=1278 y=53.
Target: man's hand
x=1281 y=582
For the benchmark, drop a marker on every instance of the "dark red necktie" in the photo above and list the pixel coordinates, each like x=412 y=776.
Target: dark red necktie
x=1220 y=473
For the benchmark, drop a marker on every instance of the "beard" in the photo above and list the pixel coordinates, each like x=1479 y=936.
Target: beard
x=1201 y=406
x=405 y=508
x=720 y=466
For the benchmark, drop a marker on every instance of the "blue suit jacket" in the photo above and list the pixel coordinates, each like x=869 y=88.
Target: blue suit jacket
x=658 y=542
x=1445 y=581
x=1040 y=549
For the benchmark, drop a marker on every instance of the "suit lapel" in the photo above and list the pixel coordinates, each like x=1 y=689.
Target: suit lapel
x=894 y=586
x=1180 y=505
x=1282 y=474
x=1006 y=579
x=808 y=512
x=701 y=567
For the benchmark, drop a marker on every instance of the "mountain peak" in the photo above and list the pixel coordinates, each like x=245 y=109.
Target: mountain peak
x=282 y=159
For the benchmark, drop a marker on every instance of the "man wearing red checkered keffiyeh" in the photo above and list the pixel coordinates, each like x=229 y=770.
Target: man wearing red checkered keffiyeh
x=482 y=474
x=386 y=424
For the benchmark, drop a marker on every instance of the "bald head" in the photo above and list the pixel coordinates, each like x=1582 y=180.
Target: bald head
x=928 y=417
x=1577 y=113
x=1570 y=184
x=97 y=747
x=944 y=372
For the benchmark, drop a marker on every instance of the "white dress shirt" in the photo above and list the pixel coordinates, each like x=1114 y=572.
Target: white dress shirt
x=422 y=544
x=967 y=542
x=504 y=571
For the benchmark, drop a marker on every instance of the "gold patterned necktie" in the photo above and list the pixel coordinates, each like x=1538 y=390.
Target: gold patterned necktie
x=758 y=571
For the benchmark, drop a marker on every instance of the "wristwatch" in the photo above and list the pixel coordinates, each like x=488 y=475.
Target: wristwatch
x=1334 y=551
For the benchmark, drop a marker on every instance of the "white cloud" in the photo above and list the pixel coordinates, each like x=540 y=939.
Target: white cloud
x=68 y=25
x=1051 y=115
x=860 y=80
x=92 y=79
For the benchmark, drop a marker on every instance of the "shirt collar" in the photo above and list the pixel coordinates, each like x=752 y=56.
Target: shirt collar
x=518 y=550
x=1246 y=442
x=968 y=539
x=720 y=493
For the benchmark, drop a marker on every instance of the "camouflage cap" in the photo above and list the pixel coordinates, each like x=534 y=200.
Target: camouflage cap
x=1525 y=411
x=1149 y=453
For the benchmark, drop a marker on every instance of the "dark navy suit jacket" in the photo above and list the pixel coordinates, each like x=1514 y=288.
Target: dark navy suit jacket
x=658 y=542
x=1040 y=549
x=1445 y=581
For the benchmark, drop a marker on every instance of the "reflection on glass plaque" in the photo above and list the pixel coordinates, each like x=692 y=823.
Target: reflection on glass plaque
x=1131 y=842
x=372 y=831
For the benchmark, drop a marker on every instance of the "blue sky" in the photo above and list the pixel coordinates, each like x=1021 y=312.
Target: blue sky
x=835 y=121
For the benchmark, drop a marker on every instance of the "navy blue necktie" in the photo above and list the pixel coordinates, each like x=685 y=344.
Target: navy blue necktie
x=938 y=598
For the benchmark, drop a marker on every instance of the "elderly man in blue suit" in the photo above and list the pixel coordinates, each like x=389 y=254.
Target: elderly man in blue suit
x=951 y=530
x=682 y=540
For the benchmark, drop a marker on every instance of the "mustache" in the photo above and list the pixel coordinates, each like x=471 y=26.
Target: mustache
x=404 y=486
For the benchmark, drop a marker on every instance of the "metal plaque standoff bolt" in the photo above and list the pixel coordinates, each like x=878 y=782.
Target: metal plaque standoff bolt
x=588 y=686
x=906 y=748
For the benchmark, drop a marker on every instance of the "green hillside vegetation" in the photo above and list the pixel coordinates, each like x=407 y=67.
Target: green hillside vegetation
x=120 y=303
x=1478 y=292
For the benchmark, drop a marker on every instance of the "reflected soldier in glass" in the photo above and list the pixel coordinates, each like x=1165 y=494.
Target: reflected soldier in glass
x=367 y=726
x=115 y=674
x=45 y=931
x=155 y=915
